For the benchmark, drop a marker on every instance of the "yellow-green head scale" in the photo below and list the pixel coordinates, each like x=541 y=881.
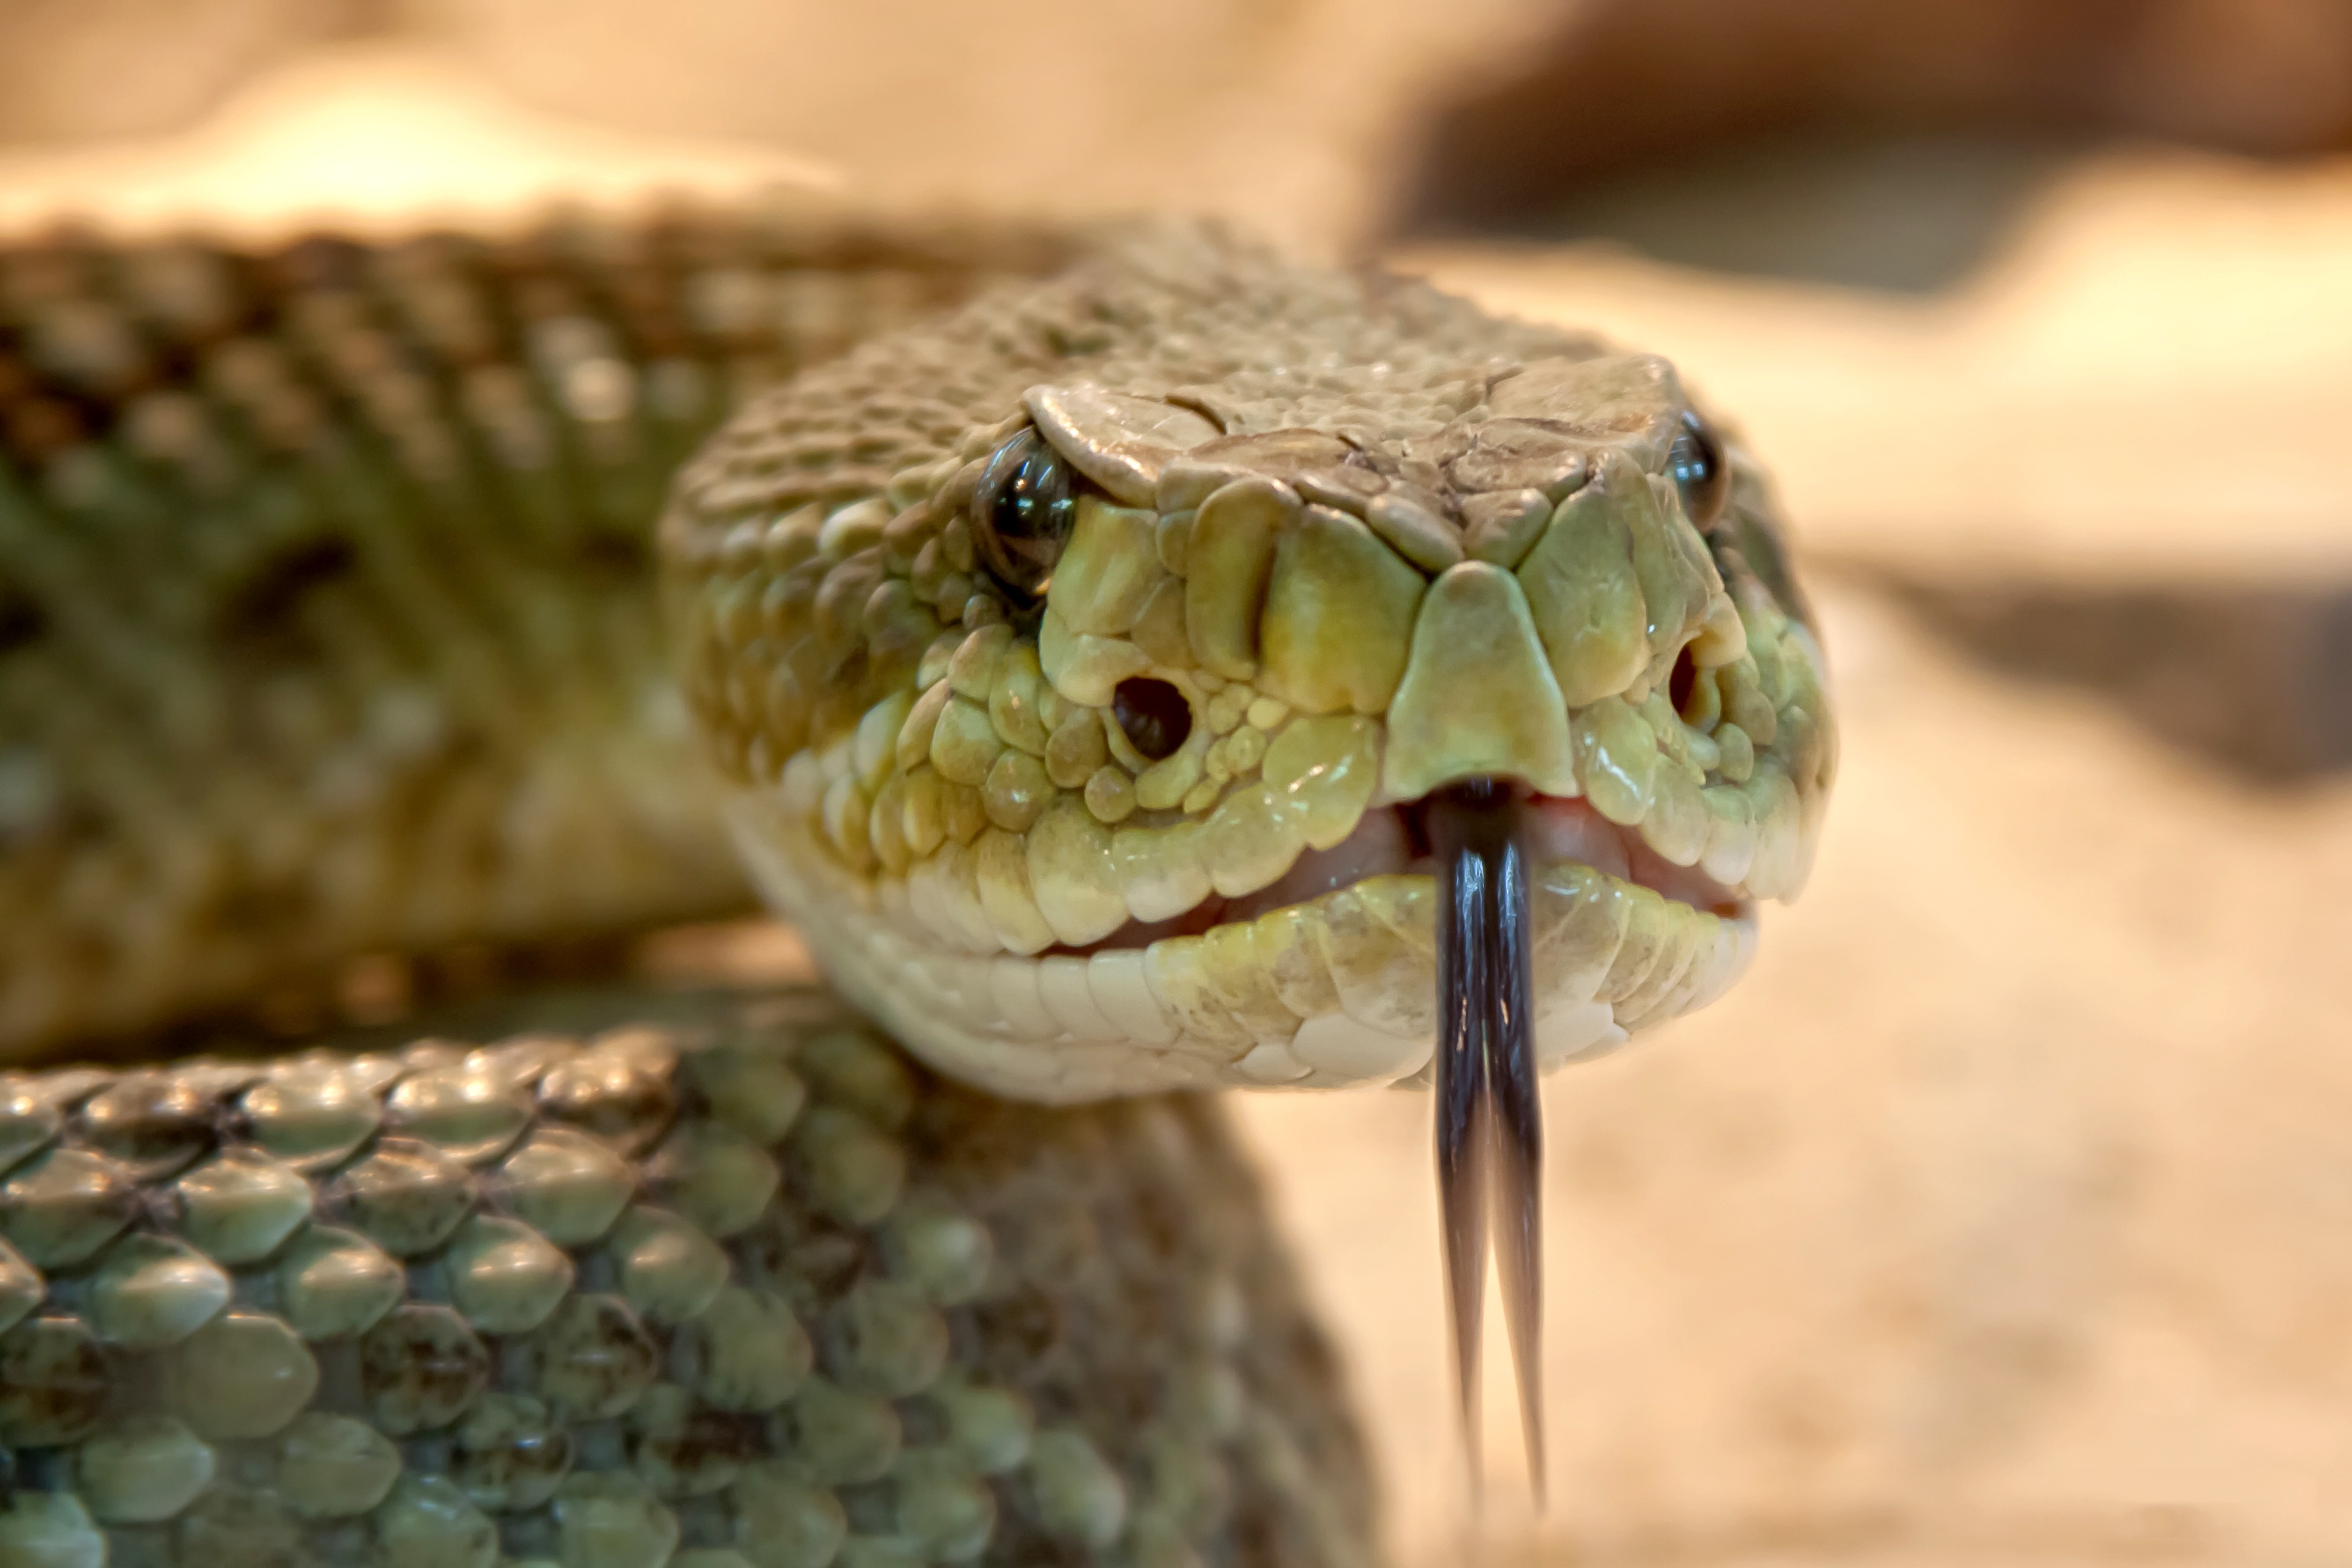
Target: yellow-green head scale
x=1076 y=664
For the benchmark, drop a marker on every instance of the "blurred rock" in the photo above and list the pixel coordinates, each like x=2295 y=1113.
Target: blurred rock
x=1293 y=115
x=2250 y=677
x=1624 y=82
x=378 y=137
x=1316 y=119
x=75 y=69
x=1916 y=212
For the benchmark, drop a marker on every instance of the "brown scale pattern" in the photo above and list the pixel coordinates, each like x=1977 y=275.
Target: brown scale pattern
x=737 y=1289
x=1185 y=313
x=325 y=620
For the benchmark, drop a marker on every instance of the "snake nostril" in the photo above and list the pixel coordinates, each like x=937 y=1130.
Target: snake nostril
x=1153 y=713
x=1683 y=677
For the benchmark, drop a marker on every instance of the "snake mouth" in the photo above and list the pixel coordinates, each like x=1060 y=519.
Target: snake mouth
x=1397 y=840
x=1474 y=839
x=1321 y=972
x=1470 y=938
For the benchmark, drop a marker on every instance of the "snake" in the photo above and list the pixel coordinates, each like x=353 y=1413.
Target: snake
x=1137 y=662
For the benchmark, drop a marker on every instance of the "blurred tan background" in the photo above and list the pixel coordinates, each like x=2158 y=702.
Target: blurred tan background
x=2005 y=1215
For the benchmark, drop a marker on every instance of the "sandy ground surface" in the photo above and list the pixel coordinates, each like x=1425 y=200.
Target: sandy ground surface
x=2000 y=1217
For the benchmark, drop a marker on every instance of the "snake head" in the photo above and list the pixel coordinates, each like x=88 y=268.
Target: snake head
x=1083 y=662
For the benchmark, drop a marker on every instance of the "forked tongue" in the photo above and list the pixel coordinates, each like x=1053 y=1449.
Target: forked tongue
x=1489 y=1124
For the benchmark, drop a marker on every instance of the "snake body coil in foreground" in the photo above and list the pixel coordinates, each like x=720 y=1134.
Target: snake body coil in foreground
x=1125 y=655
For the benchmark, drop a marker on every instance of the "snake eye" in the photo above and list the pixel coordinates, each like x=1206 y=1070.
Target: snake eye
x=1696 y=465
x=1021 y=514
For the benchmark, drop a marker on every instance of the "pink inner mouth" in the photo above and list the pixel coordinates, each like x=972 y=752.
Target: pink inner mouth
x=1389 y=841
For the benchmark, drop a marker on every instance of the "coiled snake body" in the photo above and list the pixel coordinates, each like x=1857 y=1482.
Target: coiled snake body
x=1134 y=661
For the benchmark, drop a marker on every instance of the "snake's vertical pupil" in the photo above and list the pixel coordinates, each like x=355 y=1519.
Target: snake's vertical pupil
x=1023 y=513
x=1696 y=465
x=1154 y=716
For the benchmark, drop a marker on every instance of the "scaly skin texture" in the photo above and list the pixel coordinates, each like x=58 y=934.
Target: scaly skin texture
x=327 y=632
x=712 y=1281
x=324 y=628
x=1362 y=541
x=326 y=622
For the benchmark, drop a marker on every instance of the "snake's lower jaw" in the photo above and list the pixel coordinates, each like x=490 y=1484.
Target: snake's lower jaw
x=1334 y=988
